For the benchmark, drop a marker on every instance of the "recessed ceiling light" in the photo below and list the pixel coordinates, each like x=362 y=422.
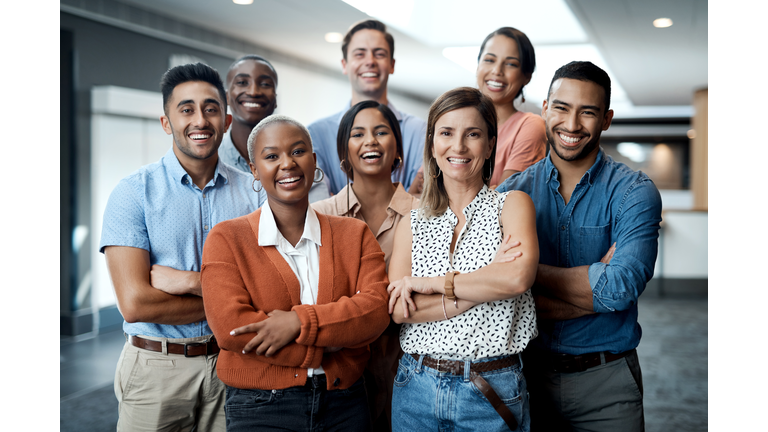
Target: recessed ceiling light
x=242 y=2
x=334 y=37
x=662 y=22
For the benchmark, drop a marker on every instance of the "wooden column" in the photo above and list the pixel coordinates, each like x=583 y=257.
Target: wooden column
x=699 y=158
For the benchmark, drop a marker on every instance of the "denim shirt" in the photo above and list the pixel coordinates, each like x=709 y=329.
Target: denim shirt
x=159 y=209
x=324 y=132
x=611 y=203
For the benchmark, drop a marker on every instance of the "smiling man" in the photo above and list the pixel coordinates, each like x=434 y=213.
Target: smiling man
x=598 y=228
x=368 y=60
x=155 y=224
x=252 y=96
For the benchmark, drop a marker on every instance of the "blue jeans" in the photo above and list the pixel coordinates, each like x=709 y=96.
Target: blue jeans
x=310 y=407
x=425 y=399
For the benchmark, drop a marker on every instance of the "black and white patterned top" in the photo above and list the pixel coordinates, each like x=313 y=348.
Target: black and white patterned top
x=489 y=329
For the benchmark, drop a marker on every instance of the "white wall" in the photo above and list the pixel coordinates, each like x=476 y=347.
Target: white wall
x=683 y=245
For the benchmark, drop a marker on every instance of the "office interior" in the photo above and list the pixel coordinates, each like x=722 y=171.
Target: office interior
x=113 y=53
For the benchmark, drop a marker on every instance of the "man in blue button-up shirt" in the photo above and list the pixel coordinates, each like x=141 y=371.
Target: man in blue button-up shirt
x=598 y=224
x=368 y=51
x=155 y=225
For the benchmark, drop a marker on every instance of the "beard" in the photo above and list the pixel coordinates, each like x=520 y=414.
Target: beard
x=586 y=149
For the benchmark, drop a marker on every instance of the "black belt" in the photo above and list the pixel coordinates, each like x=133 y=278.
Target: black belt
x=189 y=349
x=567 y=363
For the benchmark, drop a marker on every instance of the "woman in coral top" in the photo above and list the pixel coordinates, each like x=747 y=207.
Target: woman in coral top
x=505 y=66
x=293 y=297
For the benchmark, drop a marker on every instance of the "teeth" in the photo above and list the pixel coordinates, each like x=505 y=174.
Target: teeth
x=569 y=140
x=251 y=105
x=199 y=136
x=369 y=75
x=494 y=84
x=289 y=180
x=371 y=155
x=457 y=160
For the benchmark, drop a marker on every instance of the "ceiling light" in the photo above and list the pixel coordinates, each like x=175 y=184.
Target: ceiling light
x=334 y=37
x=662 y=22
x=242 y=2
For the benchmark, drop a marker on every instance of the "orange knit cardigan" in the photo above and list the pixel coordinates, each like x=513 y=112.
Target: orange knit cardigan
x=243 y=281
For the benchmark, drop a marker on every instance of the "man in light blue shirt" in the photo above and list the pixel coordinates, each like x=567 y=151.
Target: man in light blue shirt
x=251 y=97
x=155 y=225
x=368 y=60
x=598 y=228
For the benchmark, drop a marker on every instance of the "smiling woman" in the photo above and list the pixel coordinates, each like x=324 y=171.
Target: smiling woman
x=293 y=297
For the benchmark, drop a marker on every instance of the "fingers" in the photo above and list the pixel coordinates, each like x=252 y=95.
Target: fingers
x=248 y=328
x=253 y=343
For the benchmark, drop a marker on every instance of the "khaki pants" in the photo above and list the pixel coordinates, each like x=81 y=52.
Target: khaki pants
x=168 y=392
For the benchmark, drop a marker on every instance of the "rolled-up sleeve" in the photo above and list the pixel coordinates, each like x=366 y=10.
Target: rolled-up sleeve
x=616 y=286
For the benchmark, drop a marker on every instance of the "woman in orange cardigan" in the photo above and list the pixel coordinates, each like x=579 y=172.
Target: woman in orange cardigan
x=293 y=297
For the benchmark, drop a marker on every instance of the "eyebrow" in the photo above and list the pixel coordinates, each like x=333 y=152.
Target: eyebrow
x=375 y=127
x=206 y=101
x=271 y=148
x=591 y=107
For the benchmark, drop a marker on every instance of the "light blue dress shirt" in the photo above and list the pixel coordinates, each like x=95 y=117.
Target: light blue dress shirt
x=158 y=208
x=611 y=203
x=325 y=131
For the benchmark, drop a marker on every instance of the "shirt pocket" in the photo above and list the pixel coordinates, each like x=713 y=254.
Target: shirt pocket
x=594 y=242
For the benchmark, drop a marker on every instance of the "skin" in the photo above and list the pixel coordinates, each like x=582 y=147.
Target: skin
x=373 y=185
x=462 y=134
x=248 y=82
x=500 y=62
x=574 y=109
x=368 y=52
x=284 y=164
x=160 y=294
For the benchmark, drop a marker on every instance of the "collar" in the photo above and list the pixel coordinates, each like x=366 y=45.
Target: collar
x=178 y=173
x=469 y=210
x=348 y=105
x=228 y=146
x=269 y=235
x=591 y=174
x=400 y=202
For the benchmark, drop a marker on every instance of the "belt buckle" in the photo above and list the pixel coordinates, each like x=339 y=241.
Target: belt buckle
x=438 y=366
x=193 y=344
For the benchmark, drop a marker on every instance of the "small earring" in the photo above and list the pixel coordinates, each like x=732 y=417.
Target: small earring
x=341 y=165
x=253 y=186
x=521 y=92
x=434 y=176
x=490 y=172
x=397 y=163
x=322 y=175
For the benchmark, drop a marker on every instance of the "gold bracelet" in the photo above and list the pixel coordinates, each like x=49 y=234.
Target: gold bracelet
x=449 y=285
x=445 y=314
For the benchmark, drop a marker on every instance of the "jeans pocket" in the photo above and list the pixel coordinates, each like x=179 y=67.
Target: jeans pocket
x=241 y=402
x=506 y=383
x=404 y=374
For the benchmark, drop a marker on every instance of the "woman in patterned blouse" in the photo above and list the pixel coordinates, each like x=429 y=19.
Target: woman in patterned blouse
x=466 y=315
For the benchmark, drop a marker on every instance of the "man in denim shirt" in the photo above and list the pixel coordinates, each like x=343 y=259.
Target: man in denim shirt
x=598 y=228
x=155 y=225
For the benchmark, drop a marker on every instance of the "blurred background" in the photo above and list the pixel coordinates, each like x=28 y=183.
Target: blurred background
x=113 y=53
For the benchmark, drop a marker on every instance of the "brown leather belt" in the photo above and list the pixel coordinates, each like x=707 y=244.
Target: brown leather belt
x=189 y=349
x=456 y=367
x=567 y=363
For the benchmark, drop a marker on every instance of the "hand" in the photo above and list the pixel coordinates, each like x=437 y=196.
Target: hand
x=175 y=282
x=417 y=187
x=608 y=255
x=404 y=287
x=273 y=333
x=505 y=252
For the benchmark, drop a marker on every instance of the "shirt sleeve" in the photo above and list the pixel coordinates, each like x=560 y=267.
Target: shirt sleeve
x=530 y=144
x=616 y=286
x=124 y=223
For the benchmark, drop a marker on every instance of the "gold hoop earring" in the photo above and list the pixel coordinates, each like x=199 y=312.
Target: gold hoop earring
x=397 y=163
x=434 y=176
x=322 y=175
x=341 y=165
x=253 y=186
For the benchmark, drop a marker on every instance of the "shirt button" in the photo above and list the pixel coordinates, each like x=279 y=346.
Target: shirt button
x=203 y=195
x=206 y=227
x=296 y=376
x=562 y=227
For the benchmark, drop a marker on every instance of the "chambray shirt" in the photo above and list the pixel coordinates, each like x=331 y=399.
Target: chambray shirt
x=611 y=203
x=325 y=131
x=158 y=208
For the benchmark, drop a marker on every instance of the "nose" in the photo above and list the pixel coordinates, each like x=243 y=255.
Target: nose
x=370 y=139
x=572 y=122
x=497 y=68
x=199 y=120
x=253 y=89
x=287 y=162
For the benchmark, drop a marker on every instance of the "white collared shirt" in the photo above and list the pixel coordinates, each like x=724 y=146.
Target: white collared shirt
x=304 y=258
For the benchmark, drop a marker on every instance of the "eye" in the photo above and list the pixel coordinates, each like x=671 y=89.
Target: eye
x=266 y=84
x=212 y=110
x=241 y=82
x=512 y=65
x=473 y=134
x=383 y=132
x=488 y=60
x=299 y=151
x=445 y=133
x=270 y=156
x=356 y=135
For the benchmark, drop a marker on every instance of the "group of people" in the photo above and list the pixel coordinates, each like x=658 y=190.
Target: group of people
x=279 y=290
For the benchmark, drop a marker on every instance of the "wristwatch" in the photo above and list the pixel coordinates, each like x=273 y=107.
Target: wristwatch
x=449 y=287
